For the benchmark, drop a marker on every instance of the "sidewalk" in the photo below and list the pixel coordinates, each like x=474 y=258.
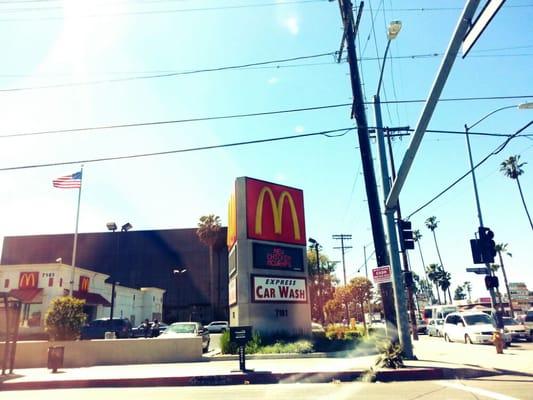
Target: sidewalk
x=436 y=360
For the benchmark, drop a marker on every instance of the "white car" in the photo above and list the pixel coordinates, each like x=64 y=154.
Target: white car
x=435 y=327
x=470 y=327
x=218 y=326
x=187 y=329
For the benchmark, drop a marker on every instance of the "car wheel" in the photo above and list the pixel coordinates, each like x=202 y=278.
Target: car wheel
x=206 y=348
x=468 y=340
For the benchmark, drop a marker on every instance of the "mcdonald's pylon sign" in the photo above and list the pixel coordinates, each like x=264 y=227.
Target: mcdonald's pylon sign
x=28 y=280
x=274 y=212
x=84 y=283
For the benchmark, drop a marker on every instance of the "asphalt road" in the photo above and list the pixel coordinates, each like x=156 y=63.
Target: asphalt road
x=495 y=388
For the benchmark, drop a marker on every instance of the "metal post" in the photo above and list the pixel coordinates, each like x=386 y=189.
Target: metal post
x=359 y=113
x=397 y=278
x=112 y=299
x=319 y=292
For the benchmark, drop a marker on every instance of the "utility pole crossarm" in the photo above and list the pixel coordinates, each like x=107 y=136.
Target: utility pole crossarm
x=438 y=85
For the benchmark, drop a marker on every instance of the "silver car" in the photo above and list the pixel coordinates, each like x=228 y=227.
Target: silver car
x=434 y=327
x=187 y=329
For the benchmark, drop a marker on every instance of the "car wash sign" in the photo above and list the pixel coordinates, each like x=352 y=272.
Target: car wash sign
x=278 y=289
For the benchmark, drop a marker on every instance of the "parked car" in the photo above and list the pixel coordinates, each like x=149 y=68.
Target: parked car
x=516 y=329
x=434 y=327
x=218 y=327
x=316 y=327
x=421 y=326
x=187 y=329
x=138 y=331
x=470 y=327
x=97 y=328
x=528 y=322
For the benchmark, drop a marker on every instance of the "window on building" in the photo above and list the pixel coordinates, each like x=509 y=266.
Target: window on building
x=6 y=283
x=133 y=297
x=50 y=282
x=153 y=297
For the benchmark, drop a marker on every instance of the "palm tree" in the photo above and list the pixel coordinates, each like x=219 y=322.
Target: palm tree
x=512 y=168
x=468 y=287
x=502 y=247
x=207 y=232
x=433 y=275
x=431 y=224
x=416 y=237
x=444 y=281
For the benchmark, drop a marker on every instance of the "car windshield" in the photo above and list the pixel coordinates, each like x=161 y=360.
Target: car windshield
x=182 y=328
x=510 y=321
x=477 y=319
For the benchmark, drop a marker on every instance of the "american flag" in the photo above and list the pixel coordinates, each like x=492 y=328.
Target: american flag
x=68 y=181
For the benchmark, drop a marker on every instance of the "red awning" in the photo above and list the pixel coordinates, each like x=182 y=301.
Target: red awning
x=28 y=295
x=92 y=298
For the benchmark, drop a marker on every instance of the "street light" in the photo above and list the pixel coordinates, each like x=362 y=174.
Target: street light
x=522 y=106
x=398 y=284
x=112 y=226
x=179 y=271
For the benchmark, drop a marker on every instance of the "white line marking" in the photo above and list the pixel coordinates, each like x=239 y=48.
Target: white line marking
x=482 y=392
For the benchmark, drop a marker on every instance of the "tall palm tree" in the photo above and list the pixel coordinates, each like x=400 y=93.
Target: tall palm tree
x=468 y=287
x=444 y=280
x=431 y=224
x=502 y=248
x=416 y=237
x=207 y=232
x=512 y=168
x=433 y=275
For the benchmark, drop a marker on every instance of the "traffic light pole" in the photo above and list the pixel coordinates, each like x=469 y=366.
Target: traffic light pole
x=497 y=314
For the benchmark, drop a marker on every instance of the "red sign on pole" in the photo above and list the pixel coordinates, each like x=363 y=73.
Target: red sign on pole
x=381 y=274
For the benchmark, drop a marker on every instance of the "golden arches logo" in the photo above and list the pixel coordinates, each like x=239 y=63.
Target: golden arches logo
x=27 y=280
x=84 y=284
x=277 y=212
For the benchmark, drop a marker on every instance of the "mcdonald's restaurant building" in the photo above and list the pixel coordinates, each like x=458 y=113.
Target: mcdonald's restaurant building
x=36 y=285
x=143 y=263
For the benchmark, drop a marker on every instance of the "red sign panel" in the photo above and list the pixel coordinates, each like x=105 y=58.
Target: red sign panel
x=274 y=212
x=381 y=274
x=28 y=280
x=84 y=283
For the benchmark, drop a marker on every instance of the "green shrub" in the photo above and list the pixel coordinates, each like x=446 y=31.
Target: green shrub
x=300 y=347
x=391 y=355
x=65 y=318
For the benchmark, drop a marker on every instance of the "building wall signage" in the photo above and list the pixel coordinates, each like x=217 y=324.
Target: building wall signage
x=278 y=257
x=232 y=291
x=28 y=280
x=84 y=283
x=280 y=289
x=274 y=212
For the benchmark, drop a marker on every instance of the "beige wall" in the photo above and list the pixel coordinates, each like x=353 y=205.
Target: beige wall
x=85 y=353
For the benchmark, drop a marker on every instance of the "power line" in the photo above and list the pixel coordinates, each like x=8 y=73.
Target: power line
x=256 y=114
x=327 y=133
x=492 y=153
x=170 y=74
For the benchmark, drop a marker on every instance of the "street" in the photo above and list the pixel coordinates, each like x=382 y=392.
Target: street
x=500 y=388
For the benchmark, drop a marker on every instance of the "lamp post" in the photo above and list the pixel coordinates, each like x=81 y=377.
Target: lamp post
x=397 y=278
x=315 y=245
x=178 y=272
x=522 y=106
x=112 y=226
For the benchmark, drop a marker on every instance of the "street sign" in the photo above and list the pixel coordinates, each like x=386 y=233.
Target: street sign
x=479 y=25
x=382 y=274
x=478 y=270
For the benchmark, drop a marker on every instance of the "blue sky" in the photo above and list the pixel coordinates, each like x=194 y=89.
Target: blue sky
x=54 y=43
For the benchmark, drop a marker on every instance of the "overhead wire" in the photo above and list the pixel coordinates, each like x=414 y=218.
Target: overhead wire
x=492 y=153
x=243 y=115
x=326 y=133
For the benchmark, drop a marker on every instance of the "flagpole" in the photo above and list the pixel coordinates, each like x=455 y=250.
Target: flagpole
x=75 y=245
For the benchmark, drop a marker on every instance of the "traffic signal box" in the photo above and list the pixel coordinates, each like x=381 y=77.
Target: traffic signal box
x=406 y=235
x=484 y=248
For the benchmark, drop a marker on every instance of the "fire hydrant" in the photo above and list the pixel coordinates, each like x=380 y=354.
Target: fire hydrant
x=497 y=339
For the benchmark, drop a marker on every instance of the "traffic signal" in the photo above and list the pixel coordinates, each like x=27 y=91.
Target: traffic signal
x=491 y=282
x=476 y=251
x=406 y=235
x=487 y=245
x=408 y=278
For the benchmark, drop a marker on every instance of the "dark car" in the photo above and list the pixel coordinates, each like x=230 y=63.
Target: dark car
x=139 y=330
x=97 y=328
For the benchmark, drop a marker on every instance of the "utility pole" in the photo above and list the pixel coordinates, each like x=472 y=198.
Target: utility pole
x=359 y=113
x=342 y=238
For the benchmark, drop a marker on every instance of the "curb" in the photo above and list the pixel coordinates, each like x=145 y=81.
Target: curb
x=237 y=378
